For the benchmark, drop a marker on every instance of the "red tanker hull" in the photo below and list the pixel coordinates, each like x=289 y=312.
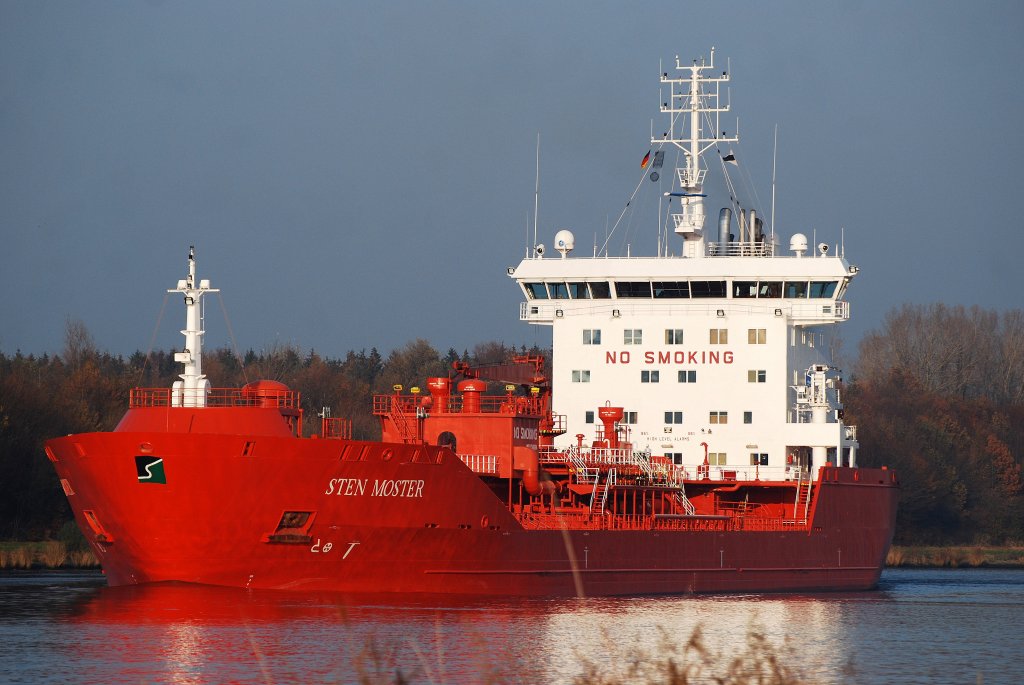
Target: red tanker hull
x=275 y=511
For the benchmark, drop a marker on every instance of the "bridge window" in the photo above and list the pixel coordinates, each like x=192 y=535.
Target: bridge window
x=578 y=291
x=823 y=288
x=536 y=291
x=558 y=291
x=795 y=289
x=671 y=289
x=600 y=290
x=707 y=288
x=744 y=289
x=769 y=289
x=632 y=288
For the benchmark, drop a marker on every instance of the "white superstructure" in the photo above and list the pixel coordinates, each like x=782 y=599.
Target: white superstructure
x=718 y=352
x=193 y=388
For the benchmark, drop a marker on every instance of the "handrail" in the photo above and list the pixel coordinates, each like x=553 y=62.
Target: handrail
x=216 y=397
x=516 y=405
x=481 y=463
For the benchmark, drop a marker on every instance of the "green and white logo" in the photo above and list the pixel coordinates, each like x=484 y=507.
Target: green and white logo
x=150 y=470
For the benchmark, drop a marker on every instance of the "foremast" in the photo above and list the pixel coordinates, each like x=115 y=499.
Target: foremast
x=193 y=388
x=693 y=105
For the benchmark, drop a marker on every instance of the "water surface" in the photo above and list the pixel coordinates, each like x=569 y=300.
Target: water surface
x=920 y=626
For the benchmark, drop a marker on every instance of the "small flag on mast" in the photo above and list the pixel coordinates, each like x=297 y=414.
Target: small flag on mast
x=731 y=159
x=647 y=158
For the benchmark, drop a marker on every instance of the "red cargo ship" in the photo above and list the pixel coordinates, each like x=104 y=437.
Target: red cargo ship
x=487 y=494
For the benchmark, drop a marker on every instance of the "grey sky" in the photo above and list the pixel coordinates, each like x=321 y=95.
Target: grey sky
x=361 y=174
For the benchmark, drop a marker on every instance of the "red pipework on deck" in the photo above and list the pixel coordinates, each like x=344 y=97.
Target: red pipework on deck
x=471 y=390
x=440 y=390
x=609 y=417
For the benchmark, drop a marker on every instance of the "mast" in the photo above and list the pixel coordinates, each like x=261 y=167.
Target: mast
x=193 y=388
x=694 y=104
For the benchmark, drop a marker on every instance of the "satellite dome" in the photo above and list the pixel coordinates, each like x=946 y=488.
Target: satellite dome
x=565 y=241
x=798 y=243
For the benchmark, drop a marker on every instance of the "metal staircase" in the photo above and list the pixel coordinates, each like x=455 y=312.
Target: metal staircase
x=802 y=504
x=684 y=502
x=600 y=499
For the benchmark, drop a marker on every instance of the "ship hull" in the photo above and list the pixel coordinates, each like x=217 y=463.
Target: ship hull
x=414 y=519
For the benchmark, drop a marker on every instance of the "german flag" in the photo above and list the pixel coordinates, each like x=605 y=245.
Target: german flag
x=647 y=158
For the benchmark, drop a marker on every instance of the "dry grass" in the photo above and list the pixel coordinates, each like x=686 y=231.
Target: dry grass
x=51 y=554
x=17 y=558
x=955 y=557
x=758 y=662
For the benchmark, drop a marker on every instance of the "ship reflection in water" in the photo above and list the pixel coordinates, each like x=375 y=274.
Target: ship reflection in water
x=187 y=633
x=922 y=626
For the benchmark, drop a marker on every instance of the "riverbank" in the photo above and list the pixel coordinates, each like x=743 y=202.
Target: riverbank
x=955 y=557
x=51 y=554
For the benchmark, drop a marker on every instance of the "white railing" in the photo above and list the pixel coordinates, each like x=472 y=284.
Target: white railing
x=481 y=463
x=750 y=248
x=824 y=310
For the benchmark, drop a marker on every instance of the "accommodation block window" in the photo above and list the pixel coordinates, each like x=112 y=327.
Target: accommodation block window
x=675 y=417
x=718 y=417
x=591 y=336
x=581 y=376
x=719 y=336
x=756 y=376
x=687 y=376
x=673 y=336
x=633 y=336
x=757 y=336
x=650 y=376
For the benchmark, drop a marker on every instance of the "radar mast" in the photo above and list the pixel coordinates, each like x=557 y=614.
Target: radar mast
x=693 y=105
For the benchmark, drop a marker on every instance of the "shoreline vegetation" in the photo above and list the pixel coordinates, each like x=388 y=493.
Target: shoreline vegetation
x=57 y=554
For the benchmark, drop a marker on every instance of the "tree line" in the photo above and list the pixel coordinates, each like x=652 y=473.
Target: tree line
x=937 y=394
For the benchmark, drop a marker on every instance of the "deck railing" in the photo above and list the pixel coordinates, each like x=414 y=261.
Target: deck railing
x=216 y=397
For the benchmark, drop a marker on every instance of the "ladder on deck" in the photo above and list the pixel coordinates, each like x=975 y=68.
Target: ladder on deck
x=803 y=498
x=584 y=473
x=599 y=500
x=683 y=501
x=401 y=422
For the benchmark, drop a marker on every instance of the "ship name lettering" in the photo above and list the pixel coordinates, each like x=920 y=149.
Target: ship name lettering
x=346 y=486
x=397 y=488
